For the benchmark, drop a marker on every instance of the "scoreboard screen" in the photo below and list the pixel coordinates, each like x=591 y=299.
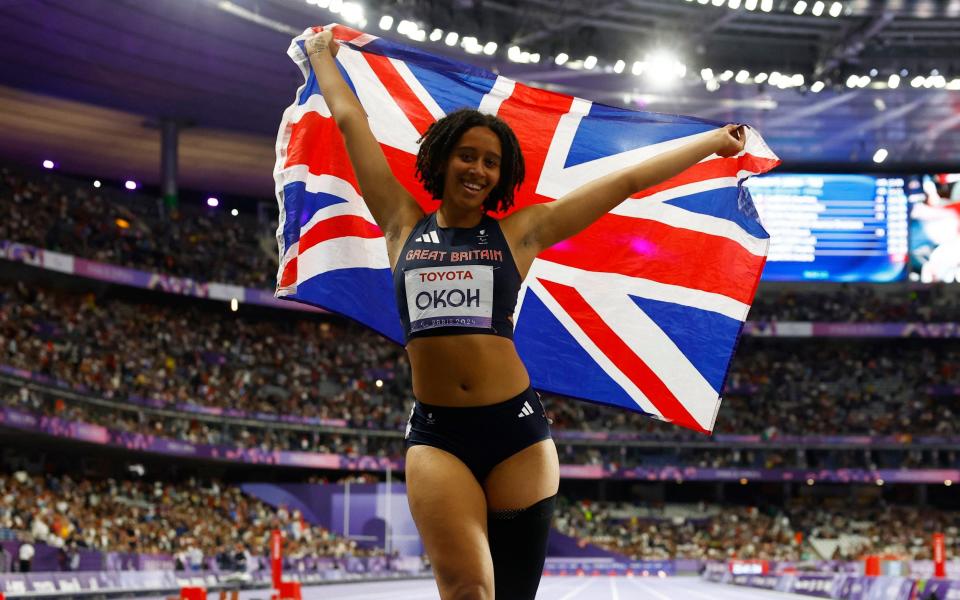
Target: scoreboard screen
x=833 y=227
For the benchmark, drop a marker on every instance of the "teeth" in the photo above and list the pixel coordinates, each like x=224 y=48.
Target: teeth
x=472 y=186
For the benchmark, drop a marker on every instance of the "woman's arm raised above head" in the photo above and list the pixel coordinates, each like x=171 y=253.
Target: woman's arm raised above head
x=536 y=228
x=392 y=206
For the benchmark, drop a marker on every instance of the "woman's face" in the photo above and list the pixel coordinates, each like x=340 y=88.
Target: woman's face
x=473 y=169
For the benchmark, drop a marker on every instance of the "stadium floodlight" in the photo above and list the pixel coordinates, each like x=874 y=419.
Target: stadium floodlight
x=489 y=48
x=638 y=67
x=663 y=67
x=703 y=1
x=947 y=482
x=917 y=81
x=561 y=59
x=766 y=5
x=451 y=39
x=835 y=9
x=323 y=3
x=48 y=164
x=514 y=53
x=799 y=7
x=405 y=27
x=436 y=34
x=352 y=13
x=742 y=76
x=853 y=81
x=213 y=202
x=589 y=62
x=893 y=82
x=535 y=57
x=760 y=78
x=818 y=7
x=234 y=304
x=379 y=383
x=96 y=183
x=234 y=212
x=774 y=78
x=335 y=6
x=418 y=35
x=733 y=4
x=864 y=81
x=706 y=74
x=718 y=2
x=954 y=84
x=817 y=87
x=873 y=72
x=726 y=75
x=878 y=157
x=750 y=4
x=619 y=66
x=130 y=184
x=386 y=22
x=713 y=85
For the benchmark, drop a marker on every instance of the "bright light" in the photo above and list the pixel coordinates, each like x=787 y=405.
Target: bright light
x=939 y=81
x=878 y=157
x=619 y=66
x=743 y=481
x=451 y=39
x=810 y=481
x=637 y=67
x=799 y=7
x=234 y=304
x=734 y=4
x=766 y=5
x=893 y=82
x=130 y=184
x=323 y=3
x=561 y=58
x=835 y=9
x=718 y=2
x=664 y=67
x=379 y=383
x=386 y=22
x=706 y=74
x=852 y=81
x=489 y=48
x=818 y=8
x=406 y=27
x=335 y=6
x=760 y=78
x=96 y=183
x=750 y=4
x=589 y=62
x=816 y=87
x=48 y=164
x=435 y=35
x=864 y=81
x=234 y=212
x=954 y=84
x=122 y=223
x=513 y=53
x=352 y=12
x=947 y=482
x=535 y=57
x=211 y=201
x=418 y=35
x=797 y=80
x=917 y=81
x=742 y=76
x=713 y=85
x=879 y=482
x=775 y=78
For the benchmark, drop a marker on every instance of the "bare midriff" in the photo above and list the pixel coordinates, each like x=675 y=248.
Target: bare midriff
x=466 y=370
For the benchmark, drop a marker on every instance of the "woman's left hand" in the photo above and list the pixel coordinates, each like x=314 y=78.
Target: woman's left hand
x=730 y=140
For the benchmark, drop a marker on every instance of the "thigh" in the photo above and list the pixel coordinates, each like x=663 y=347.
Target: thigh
x=450 y=510
x=525 y=478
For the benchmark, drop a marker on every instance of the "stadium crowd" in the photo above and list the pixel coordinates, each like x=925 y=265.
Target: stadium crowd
x=129 y=229
x=715 y=532
x=299 y=365
x=201 y=524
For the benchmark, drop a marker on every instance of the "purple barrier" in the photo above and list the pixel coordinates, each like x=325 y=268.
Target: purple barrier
x=563 y=546
x=609 y=566
x=941 y=589
x=889 y=588
x=859 y=330
x=818 y=585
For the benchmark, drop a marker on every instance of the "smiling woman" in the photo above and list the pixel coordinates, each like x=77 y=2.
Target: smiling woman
x=482 y=470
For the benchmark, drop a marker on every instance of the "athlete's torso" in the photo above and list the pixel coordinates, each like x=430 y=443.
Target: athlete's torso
x=456 y=290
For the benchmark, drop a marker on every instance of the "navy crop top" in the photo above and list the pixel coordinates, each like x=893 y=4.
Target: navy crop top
x=456 y=280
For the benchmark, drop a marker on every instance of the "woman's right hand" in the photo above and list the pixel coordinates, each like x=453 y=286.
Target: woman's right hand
x=321 y=41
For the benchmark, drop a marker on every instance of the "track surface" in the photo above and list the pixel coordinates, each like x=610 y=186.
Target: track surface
x=551 y=588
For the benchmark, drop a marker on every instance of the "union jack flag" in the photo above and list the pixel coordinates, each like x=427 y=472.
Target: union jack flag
x=642 y=310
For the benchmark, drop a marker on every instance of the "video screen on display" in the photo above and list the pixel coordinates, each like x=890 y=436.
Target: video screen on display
x=833 y=227
x=935 y=228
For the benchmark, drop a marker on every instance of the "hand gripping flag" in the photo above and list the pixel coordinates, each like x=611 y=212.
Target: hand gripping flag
x=642 y=310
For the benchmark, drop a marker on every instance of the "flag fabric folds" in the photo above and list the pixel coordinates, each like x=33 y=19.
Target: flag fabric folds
x=642 y=310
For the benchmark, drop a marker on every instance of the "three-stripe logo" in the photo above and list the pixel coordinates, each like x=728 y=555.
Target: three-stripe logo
x=526 y=410
x=429 y=238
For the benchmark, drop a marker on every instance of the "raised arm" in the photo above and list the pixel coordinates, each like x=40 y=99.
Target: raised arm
x=536 y=228
x=392 y=206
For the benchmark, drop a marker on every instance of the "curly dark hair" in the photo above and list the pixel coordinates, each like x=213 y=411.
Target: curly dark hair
x=438 y=142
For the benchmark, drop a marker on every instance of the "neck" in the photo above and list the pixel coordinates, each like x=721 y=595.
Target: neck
x=449 y=216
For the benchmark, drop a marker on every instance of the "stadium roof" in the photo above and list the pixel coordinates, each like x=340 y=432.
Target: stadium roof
x=89 y=80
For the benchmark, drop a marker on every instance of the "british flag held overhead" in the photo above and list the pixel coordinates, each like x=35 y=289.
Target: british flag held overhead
x=642 y=310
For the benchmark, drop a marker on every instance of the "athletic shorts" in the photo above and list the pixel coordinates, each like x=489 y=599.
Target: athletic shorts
x=480 y=436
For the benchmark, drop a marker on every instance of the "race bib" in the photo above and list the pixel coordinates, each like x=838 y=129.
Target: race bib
x=450 y=297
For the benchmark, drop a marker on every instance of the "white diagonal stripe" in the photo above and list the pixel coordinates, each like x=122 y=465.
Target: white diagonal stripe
x=637 y=286
x=587 y=344
x=433 y=236
x=387 y=121
x=649 y=342
x=491 y=101
x=421 y=92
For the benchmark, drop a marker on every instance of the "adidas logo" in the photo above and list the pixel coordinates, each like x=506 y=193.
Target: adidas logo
x=526 y=410
x=429 y=238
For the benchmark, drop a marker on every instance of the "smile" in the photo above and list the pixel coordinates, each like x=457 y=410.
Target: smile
x=473 y=187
